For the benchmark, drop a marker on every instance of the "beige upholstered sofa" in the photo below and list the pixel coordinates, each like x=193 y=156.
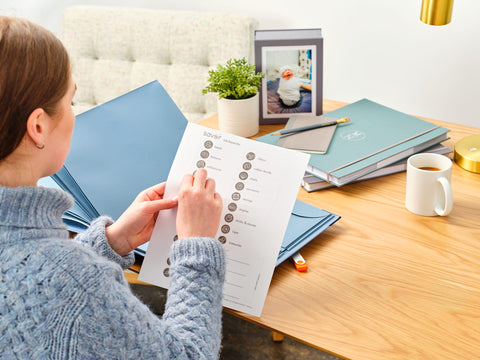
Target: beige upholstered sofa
x=114 y=50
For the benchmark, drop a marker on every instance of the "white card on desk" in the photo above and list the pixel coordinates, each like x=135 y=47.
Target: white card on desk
x=258 y=184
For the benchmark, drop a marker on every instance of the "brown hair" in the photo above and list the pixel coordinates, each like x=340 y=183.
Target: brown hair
x=34 y=73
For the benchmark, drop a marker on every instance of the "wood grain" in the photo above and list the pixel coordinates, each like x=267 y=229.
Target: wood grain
x=384 y=283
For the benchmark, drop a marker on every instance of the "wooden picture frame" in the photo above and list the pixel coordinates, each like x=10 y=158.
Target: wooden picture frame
x=292 y=61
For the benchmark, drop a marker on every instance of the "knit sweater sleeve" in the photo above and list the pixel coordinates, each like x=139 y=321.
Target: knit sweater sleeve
x=112 y=323
x=95 y=238
x=195 y=297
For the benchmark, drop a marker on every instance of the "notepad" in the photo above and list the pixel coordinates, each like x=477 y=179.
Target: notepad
x=312 y=141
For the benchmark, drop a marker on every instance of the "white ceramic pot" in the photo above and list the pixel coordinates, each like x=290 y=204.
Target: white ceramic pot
x=239 y=117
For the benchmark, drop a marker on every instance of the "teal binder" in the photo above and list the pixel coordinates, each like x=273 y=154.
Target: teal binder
x=376 y=136
x=118 y=149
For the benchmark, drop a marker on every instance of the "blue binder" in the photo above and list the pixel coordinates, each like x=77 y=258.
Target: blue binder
x=118 y=149
x=306 y=223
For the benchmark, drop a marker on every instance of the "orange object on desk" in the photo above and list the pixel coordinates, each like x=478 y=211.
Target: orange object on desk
x=299 y=262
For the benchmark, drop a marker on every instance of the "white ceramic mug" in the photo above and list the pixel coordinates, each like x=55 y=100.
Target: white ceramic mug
x=428 y=185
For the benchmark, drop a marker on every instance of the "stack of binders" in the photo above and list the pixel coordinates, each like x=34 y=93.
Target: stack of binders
x=313 y=183
x=375 y=138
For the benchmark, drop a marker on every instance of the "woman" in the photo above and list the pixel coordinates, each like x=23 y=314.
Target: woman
x=62 y=298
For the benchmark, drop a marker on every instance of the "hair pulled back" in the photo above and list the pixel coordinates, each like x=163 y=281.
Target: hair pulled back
x=34 y=73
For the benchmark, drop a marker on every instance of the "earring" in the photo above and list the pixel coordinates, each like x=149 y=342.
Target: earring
x=40 y=146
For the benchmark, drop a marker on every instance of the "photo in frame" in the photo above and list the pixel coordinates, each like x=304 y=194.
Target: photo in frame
x=292 y=61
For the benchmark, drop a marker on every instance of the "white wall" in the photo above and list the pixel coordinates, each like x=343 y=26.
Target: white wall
x=377 y=49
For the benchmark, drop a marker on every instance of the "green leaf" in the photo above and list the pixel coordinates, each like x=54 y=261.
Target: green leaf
x=236 y=80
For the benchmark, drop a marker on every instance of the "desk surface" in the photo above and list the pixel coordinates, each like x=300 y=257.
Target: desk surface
x=384 y=283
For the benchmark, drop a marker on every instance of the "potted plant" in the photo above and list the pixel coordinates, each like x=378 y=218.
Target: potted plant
x=236 y=85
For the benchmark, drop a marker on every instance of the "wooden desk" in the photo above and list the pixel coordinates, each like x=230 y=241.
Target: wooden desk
x=384 y=283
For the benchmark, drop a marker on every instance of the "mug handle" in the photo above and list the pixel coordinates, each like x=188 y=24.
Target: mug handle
x=447 y=190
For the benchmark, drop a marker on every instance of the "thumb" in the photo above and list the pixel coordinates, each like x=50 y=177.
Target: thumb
x=155 y=206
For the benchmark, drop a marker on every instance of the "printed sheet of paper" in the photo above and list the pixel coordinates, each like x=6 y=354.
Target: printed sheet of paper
x=258 y=184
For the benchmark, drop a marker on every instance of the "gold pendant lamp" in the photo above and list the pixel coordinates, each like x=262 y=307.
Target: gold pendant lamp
x=467 y=150
x=436 y=12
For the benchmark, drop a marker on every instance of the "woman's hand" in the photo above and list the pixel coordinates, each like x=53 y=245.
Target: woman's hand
x=135 y=225
x=199 y=206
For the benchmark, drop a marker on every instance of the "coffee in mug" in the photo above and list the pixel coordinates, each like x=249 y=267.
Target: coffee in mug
x=428 y=190
x=429 y=168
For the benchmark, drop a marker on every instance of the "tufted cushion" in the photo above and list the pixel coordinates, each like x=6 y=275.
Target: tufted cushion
x=114 y=50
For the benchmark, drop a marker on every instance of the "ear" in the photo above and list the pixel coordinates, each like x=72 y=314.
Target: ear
x=37 y=127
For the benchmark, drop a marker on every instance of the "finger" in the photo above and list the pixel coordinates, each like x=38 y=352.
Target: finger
x=200 y=178
x=187 y=182
x=217 y=197
x=155 y=206
x=155 y=192
x=210 y=185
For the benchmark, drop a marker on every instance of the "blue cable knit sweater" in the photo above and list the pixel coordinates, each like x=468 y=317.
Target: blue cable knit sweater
x=68 y=299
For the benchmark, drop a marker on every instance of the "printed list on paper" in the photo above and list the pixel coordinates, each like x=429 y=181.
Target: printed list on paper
x=258 y=184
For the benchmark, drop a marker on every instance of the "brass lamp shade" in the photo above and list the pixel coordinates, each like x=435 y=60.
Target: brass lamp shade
x=436 y=12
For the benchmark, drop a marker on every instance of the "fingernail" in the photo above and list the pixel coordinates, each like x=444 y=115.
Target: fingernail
x=175 y=198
